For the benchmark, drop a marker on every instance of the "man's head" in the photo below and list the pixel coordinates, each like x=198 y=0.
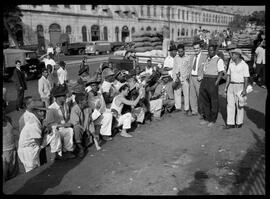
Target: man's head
x=28 y=101
x=49 y=68
x=181 y=50
x=45 y=72
x=18 y=63
x=124 y=89
x=173 y=51
x=212 y=50
x=138 y=69
x=62 y=64
x=39 y=109
x=197 y=47
x=50 y=56
x=60 y=93
x=149 y=63
x=81 y=99
x=236 y=54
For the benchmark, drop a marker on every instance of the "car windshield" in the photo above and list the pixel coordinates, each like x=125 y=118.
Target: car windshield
x=91 y=44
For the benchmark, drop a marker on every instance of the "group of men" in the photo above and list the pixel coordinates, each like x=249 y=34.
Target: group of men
x=99 y=105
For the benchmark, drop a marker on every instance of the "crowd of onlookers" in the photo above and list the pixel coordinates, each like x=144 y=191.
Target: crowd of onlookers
x=70 y=116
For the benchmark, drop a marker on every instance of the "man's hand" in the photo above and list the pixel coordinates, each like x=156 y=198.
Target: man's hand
x=98 y=105
x=199 y=78
x=244 y=93
x=225 y=91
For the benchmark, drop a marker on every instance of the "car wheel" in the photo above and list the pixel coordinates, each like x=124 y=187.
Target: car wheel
x=81 y=52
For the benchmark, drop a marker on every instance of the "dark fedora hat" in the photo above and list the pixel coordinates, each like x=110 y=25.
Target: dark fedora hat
x=93 y=80
x=59 y=91
x=78 y=88
x=172 y=47
x=38 y=105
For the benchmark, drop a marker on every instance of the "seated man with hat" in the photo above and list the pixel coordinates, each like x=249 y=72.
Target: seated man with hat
x=83 y=75
x=126 y=119
x=168 y=62
x=57 y=120
x=163 y=96
x=101 y=116
x=107 y=88
x=30 y=140
x=79 y=120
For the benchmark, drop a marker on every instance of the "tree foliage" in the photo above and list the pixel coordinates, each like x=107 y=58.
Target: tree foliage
x=12 y=21
x=258 y=18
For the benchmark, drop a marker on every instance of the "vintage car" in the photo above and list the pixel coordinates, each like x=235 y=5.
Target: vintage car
x=98 y=47
x=31 y=64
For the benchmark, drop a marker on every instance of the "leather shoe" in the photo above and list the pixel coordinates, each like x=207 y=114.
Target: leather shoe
x=178 y=110
x=107 y=138
x=228 y=127
x=239 y=125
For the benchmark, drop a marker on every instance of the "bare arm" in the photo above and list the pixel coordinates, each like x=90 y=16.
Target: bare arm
x=244 y=92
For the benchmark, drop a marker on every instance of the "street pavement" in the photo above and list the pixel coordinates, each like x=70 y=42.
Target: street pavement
x=174 y=156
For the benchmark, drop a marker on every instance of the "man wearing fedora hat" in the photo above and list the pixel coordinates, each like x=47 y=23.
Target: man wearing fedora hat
x=237 y=81
x=57 y=120
x=107 y=88
x=62 y=73
x=30 y=140
x=169 y=60
x=163 y=96
x=102 y=117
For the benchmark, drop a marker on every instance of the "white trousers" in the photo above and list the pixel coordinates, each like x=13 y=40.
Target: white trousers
x=232 y=101
x=156 y=107
x=140 y=113
x=29 y=156
x=178 y=96
x=60 y=140
x=125 y=120
x=106 y=124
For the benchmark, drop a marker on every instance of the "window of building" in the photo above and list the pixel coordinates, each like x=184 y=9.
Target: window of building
x=183 y=32
x=155 y=11
x=68 y=29
x=187 y=15
x=148 y=28
x=132 y=30
x=192 y=16
x=84 y=34
x=172 y=34
x=155 y=29
x=148 y=11
x=54 y=6
x=172 y=13
x=178 y=33
x=82 y=7
x=187 y=32
x=168 y=12
x=183 y=15
x=141 y=10
x=116 y=33
x=142 y=28
x=162 y=10
x=67 y=6
x=105 y=33
x=179 y=13
x=191 y=33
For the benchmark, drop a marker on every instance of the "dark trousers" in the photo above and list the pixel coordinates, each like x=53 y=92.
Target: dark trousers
x=20 y=96
x=208 y=97
x=260 y=74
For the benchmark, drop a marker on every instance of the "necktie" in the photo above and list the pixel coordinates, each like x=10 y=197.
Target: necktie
x=195 y=62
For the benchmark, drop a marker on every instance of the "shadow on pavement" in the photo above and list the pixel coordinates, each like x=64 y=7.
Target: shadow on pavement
x=250 y=177
x=256 y=117
x=223 y=108
x=49 y=178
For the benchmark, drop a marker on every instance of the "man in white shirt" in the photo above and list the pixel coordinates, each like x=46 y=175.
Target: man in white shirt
x=181 y=68
x=196 y=75
x=44 y=87
x=260 y=64
x=49 y=60
x=208 y=96
x=168 y=62
x=50 y=49
x=237 y=82
x=62 y=73
x=107 y=88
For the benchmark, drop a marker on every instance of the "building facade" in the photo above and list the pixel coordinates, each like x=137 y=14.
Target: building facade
x=44 y=24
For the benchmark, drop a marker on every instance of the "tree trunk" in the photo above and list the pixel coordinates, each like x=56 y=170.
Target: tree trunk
x=10 y=33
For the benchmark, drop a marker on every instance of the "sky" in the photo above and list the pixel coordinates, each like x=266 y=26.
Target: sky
x=250 y=9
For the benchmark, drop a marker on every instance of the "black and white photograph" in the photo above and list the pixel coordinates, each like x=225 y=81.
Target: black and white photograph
x=133 y=100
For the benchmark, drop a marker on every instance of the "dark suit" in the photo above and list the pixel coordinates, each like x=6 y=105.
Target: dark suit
x=20 y=85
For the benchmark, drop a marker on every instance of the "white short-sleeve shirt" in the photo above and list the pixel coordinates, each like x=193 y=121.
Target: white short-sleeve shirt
x=238 y=72
x=260 y=52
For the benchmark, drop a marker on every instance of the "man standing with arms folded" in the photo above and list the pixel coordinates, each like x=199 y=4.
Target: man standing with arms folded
x=182 y=67
x=20 y=84
x=197 y=63
x=237 y=82
x=208 y=97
